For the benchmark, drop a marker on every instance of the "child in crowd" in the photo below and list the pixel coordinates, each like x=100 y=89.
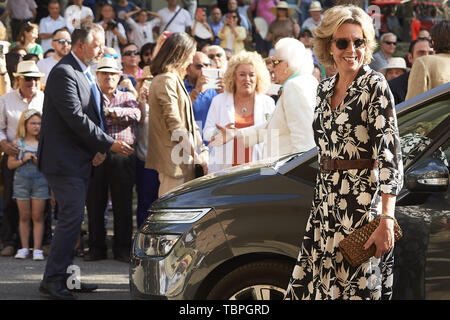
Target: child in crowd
x=30 y=188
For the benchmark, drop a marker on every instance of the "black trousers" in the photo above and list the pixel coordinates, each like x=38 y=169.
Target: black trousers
x=70 y=194
x=116 y=173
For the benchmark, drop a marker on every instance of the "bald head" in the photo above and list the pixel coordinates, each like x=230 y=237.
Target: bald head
x=199 y=62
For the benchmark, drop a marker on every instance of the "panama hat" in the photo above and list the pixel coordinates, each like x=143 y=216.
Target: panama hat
x=282 y=5
x=394 y=62
x=146 y=74
x=28 y=69
x=315 y=6
x=108 y=65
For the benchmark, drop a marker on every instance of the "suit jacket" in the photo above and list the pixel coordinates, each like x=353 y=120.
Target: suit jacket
x=70 y=133
x=428 y=72
x=399 y=87
x=170 y=111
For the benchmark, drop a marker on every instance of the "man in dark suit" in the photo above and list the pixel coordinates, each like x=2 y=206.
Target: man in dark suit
x=71 y=141
x=399 y=86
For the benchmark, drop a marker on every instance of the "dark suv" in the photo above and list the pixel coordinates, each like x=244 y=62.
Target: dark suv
x=236 y=234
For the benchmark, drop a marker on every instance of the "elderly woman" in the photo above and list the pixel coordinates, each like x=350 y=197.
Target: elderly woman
x=361 y=170
x=217 y=55
x=244 y=104
x=290 y=126
x=174 y=139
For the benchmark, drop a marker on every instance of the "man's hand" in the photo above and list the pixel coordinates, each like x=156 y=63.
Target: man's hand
x=203 y=159
x=122 y=148
x=98 y=159
x=9 y=148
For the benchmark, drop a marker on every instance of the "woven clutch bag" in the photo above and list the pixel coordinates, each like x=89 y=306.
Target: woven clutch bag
x=351 y=247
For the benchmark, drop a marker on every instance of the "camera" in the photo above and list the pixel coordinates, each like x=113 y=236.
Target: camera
x=111 y=25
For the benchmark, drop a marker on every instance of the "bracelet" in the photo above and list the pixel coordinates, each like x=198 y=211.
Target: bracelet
x=385 y=216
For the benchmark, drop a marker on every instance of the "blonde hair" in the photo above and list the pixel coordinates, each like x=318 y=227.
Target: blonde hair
x=332 y=20
x=22 y=124
x=254 y=59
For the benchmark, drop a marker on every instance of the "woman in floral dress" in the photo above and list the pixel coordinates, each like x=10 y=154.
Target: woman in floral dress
x=354 y=122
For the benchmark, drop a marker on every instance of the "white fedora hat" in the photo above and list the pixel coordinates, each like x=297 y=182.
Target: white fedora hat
x=28 y=69
x=315 y=6
x=108 y=65
x=394 y=62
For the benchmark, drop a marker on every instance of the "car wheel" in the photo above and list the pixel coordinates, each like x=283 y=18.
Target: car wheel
x=261 y=280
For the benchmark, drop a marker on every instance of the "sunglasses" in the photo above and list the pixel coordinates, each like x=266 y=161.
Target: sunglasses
x=212 y=55
x=276 y=62
x=63 y=41
x=130 y=52
x=343 y=43
x=391 y=43
x=28 y=79
x=199 y=66
x=109 y=55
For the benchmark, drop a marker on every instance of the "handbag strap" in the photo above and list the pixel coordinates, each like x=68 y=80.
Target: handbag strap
x=176 y=13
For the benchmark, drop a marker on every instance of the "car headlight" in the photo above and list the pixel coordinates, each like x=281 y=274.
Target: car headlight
x=154 y=244
x=177 y=215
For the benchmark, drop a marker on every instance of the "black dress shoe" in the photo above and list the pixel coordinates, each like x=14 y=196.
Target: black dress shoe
x=94 y=256
x=85 y=287
x=56 y=290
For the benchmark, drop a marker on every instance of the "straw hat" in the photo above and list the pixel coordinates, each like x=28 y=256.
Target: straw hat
x=315 y=6
x=108 y=65
x=282 y=5
x=394 y=62
x=28 y=69
x=146 y=74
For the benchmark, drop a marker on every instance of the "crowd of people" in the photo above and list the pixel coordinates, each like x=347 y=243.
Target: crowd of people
x=98 y=101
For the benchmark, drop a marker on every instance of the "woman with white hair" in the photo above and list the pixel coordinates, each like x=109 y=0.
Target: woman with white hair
x=289 y=129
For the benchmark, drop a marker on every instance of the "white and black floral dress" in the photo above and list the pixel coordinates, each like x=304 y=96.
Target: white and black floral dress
x=363 y=126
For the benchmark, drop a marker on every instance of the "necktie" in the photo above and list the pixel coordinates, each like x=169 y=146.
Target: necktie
x=97 y=96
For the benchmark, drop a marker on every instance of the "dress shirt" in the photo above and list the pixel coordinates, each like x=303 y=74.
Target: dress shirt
x=48 y=25
x=77 y=13
x=46 y=65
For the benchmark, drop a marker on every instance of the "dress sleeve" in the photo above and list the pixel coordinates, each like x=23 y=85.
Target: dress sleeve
x=384 y=136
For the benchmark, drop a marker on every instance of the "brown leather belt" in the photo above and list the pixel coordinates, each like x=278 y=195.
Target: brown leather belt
x=327 y=164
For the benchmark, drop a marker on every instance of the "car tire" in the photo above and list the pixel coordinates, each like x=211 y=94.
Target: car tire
x=261 y=280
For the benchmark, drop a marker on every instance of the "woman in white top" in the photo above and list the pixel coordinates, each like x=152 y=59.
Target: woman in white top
x=289 y=129
x=243 y=104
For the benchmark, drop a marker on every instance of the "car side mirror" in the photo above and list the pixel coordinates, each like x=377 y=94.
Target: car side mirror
x=430 y=175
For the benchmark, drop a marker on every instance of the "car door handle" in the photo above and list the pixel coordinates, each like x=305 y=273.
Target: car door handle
x=434 y=181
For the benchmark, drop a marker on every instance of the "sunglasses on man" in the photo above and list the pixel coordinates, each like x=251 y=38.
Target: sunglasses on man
x=28 y=79
x=109 y=55
x=212 y=55
x=343 y=43
x=63 y=41
x=391 y=43
x=130 y=52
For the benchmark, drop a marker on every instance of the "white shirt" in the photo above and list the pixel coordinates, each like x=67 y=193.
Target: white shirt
x=222 y=112
x=12 y=105
x=111 y=40
x=46 y=65
x=74 y=12
x=48 y=25
x=311 y=24
x=143 y=34
x=179 y=24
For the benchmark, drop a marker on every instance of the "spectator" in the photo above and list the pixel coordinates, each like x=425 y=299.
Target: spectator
x=50 y=52
x=77 y=14
x=122 y=8
x=284 y=25
x=317 y=72
x=27 y=96
x=62 y=43
x=147 y=183
x=19 y=49
x=289 y=128
x=20 y=12
x=172 y=116
x=146 y=54
x=174 y=18
x=117 y=172
x=197 y=86
x=423 y=33
x=30 y=189
x=233 y=6
x=50 y=24
x=395 y=68
x=130 y=68
x=242 y=104
x=261 y=8
x=232 y=34
x=201 y=31
x=218 y=56
x=388 y=43
x=12 y=60
x=315 y=10
x=304 y=6
x=142 y=29
x=5 y=80
x=216 y=23
x=115 y=35
x=27 y=39
x=399 y=86
x=432 y=70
